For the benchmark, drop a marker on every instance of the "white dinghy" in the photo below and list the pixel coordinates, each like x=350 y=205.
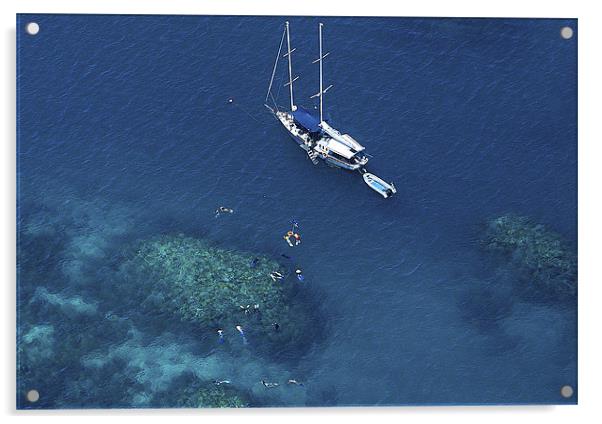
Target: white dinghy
x=380 y=186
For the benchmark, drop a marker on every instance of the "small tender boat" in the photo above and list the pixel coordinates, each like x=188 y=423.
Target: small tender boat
x=380 y=186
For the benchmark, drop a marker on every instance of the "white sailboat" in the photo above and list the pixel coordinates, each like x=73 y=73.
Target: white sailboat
x=310 y=131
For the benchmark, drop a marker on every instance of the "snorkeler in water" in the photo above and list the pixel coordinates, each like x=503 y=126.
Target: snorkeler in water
x=242 y=334
x=249 y=308
x=276 y=276
x=223 y=209
x=220 y=334
x=269 y=385
x=299 y=274
x=292 y=238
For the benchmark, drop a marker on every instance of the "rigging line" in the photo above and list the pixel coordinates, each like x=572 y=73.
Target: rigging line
x=407 y=274
x=278 y=92
x=275 y=65
x=245 y=111
x=274 y=100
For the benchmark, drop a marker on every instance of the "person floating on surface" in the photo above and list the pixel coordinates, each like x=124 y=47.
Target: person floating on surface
x=242 y=333
x=250 y=308
x=269 y=385
x=275 y=275
x=299 y=274
x=223 y=209
x=287 y=237
x=292 y=238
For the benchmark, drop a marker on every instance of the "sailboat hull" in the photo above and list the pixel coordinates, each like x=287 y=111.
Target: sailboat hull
x=304 y=140
x=341 y=164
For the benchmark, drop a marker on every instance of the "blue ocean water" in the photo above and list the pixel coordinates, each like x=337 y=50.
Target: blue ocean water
x=125 y=131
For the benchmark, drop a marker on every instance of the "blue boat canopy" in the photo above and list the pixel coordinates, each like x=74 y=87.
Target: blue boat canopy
x=307 y=119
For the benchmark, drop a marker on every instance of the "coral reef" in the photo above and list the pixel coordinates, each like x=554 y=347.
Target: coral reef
x=38 y=343
x=212 y=397
x=189 y=391
x=545 y=259
x=216 y=288
x=70 y=306
x=55 y=331
x=104 y=320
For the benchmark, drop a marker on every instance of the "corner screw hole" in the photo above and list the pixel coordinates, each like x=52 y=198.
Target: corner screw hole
x=566 y=391
x=567 y=34
x=33 y=396
x=32 y=28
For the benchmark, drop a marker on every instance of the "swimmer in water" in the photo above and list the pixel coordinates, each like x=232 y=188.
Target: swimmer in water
x=275 y=275
x=242 y=334
x=220 y=382
x=220 y=334
x=299 y=274
x=250 y=308
x=254 y=262
x=269 y=385
x=294 y=382
x=223 y=209
x=287 y=238
x=276 y=326
x=297 y=238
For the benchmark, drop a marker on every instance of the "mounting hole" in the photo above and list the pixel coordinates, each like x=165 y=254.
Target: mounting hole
x=567 y=34
x=32 y=28
x=33 y=396
x=566 y=391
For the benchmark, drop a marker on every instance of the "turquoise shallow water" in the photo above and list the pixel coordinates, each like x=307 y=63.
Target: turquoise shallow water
x=125 y=133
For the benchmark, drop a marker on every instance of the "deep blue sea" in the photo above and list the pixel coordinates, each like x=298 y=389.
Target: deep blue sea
x=125 y=132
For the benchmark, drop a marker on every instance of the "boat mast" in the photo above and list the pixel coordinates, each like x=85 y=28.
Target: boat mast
x=322 y=90
x=290 y=67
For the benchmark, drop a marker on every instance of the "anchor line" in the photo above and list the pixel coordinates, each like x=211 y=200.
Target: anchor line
x=248 y=114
